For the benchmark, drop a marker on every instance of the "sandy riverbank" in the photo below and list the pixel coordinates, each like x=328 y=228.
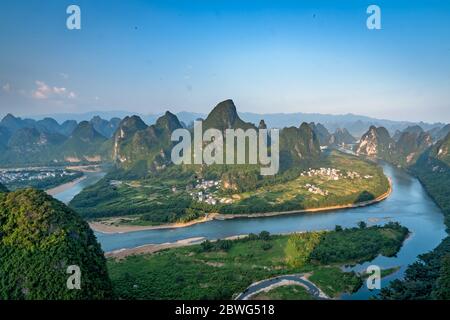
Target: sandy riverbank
x=65 y=186
x=152 y=248
x=104 y=227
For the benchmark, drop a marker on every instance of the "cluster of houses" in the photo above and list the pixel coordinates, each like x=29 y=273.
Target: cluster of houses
x=17 y=175
x=330 y=173
x=316 y=190
x=206 y=191
x=333 y=174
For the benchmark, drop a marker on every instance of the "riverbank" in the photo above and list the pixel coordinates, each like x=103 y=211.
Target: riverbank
x=64 y=187
x=104 y=227
x=152 y=248
x=240 y=268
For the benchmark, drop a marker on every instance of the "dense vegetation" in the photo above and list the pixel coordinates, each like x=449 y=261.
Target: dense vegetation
x=428 y=278
x=222 y=269
x=39 y=238
x=360 y=243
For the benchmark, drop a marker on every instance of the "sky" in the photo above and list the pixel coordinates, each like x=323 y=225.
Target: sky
x=188 y=55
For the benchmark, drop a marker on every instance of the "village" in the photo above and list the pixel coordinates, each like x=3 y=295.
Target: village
x=332 y=174
x=206 y=191
x=8 y=176
x=329 y=174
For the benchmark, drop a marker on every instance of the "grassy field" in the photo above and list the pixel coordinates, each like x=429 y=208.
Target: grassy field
x=294 y=194
x=223 y=269
x=165 y=199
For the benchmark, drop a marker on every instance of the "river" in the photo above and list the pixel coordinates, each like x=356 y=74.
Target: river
x=408 y=204
x=69 y=193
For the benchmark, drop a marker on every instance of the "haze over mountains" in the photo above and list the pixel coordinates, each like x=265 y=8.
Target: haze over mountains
x=355 y=124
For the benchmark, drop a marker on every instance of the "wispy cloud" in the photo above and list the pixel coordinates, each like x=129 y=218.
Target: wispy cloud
x=6 y=87
x=44 y=92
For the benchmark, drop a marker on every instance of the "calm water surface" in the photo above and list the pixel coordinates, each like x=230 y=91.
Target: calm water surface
x=70 y=193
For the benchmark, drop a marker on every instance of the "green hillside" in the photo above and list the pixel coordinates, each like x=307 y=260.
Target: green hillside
x=141 y=149
x=428 y=278
x=225 y=116
x=298 y=146
x=39 y=238
x=84 y=142
x=321 y=132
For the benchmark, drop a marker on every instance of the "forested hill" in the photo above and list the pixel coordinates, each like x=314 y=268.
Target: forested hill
x=39 y=238
x=429 y=278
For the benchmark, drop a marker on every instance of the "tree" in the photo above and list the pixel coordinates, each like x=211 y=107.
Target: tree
x=362 y=225
x=206 y=245
x=338 y=228
x=299 y=248
x=224 y=245
x=442 y=291
x=264 y=235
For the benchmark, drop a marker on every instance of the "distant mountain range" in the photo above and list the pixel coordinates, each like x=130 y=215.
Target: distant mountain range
x=356 y=125
x=404 y=149
x=144 y=141
x=43 y=142
x=142 y=149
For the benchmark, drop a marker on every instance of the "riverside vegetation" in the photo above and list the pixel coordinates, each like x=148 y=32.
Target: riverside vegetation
x=222 y=269
x=413 y=149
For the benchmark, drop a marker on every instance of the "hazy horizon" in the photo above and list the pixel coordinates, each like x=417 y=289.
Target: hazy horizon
x=113 y=112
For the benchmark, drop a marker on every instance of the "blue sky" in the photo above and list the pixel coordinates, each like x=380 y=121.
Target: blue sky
x=268 y=56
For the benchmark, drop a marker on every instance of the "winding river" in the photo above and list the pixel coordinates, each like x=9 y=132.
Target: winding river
x=408 y=204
